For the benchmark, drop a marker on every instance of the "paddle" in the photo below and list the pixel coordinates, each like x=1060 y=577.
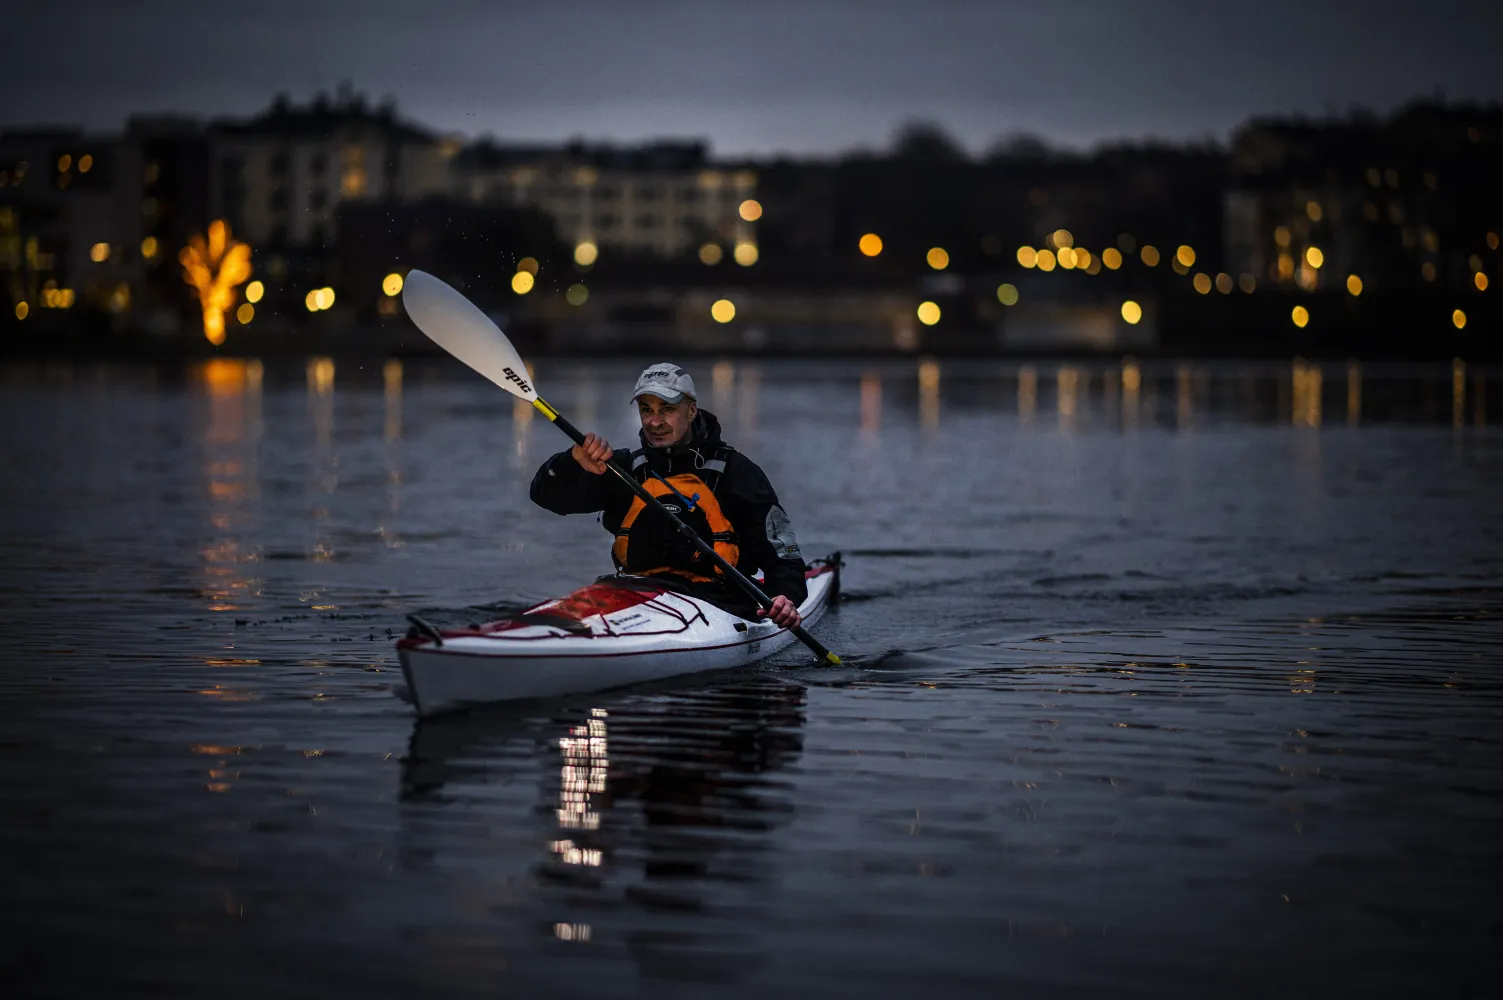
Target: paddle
x=455 y=324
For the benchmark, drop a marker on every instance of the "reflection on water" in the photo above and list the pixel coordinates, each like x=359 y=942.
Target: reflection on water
x=1175 y=658
x=928 y=381
x=660 y=805
x=871 y=405
x=1132 y=387
x=1028 y=388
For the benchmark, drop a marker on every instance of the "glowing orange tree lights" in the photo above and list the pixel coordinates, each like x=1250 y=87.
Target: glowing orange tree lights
x=215 y=267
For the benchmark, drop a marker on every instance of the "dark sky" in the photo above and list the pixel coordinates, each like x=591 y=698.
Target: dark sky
x=757 y=76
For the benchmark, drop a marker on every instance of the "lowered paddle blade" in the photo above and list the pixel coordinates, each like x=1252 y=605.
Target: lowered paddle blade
x=454 y=323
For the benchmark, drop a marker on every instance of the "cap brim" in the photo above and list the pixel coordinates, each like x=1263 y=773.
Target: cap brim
x=667 y=397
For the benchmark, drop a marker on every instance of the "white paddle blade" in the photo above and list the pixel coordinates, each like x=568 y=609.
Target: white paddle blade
x=454 y=323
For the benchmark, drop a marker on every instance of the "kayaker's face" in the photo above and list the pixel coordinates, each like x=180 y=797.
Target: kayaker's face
x=666 y=423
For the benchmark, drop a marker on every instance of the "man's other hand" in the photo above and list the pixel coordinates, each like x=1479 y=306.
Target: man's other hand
x=782 y=613
x=593 y=454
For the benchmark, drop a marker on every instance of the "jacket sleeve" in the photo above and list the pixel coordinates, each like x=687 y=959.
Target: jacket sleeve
x=564 y=487
x=764 y=532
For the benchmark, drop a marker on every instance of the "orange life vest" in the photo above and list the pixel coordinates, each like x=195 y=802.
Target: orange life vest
x=646 y=546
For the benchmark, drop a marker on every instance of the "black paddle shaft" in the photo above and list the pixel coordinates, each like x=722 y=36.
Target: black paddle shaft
x=740 y=578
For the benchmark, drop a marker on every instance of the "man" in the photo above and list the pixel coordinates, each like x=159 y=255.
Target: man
x=718 y=491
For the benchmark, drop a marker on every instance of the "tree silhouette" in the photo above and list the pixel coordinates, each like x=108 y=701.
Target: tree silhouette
x=215 y=268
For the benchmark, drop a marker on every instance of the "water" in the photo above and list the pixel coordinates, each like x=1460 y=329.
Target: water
x=1177 y=681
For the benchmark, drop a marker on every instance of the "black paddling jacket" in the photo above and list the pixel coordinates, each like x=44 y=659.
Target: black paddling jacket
x=763 y=534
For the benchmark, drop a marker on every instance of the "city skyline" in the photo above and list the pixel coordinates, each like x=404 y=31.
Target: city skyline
x=780 y=78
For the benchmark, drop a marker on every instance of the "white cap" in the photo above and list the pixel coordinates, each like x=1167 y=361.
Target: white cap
x=668 y=382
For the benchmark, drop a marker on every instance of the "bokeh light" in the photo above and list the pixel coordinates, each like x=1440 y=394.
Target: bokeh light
x=1007 y=294
x=1027 y=256
x=1132 y=312
x=586 y=253
x=528 y=265
x=1353 y=285
x=245 y=313
x=710 y=254
x=1458 y=319
x=745 y=254
x=870 y=244
x=938 y=258
x=723 y=311
x=1300 y=315
x=254 y=291
x=1046 y=260
x=577 y=294
x=1111 y=258
x=1149 y=255
x=392 y=284
x=928 y=313
x=522 y=282
x=751 y=210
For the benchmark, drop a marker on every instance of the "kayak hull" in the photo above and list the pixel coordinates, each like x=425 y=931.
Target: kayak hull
x=613 y=633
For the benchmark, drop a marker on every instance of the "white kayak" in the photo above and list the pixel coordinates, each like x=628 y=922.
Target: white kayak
x=618 y=630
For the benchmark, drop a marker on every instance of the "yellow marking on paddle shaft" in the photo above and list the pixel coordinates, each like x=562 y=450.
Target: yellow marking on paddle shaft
x=832 y=658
